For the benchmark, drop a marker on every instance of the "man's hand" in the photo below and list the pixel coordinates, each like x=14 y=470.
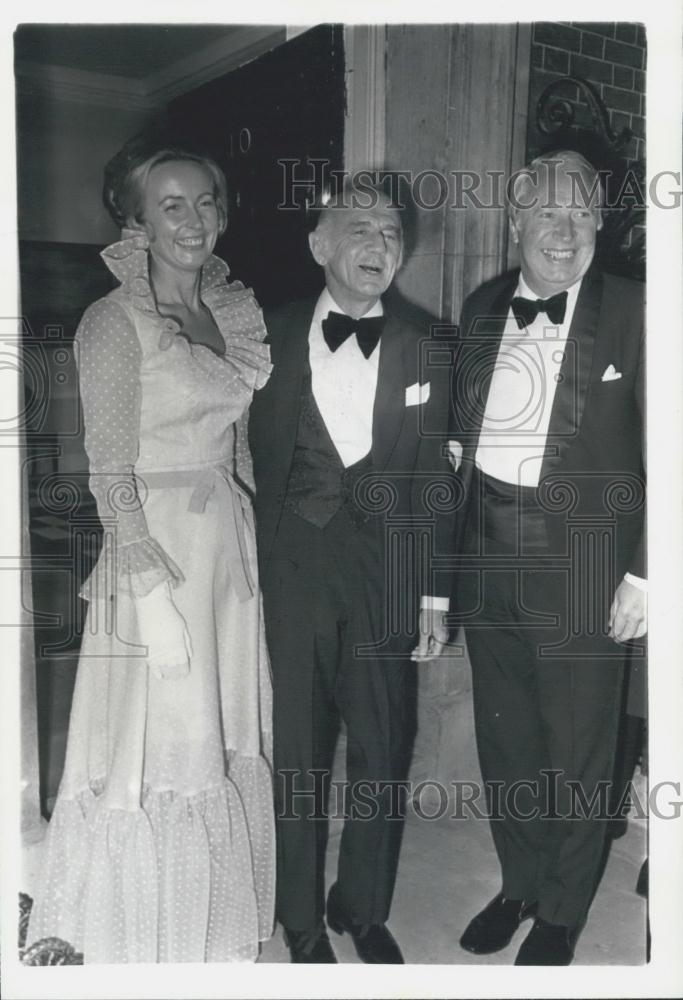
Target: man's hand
x=433 y=635
x=628 y=614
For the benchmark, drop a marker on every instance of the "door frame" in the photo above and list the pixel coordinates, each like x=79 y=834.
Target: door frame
x=364 y=133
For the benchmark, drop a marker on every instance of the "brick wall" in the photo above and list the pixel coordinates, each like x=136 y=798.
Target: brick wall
x=611 y=57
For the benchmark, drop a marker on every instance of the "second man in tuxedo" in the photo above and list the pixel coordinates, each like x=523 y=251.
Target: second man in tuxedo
x=548 y=420
x=336 y=432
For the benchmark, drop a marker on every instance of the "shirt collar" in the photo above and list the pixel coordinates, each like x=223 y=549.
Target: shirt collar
x=572 y=294
x=327 y=304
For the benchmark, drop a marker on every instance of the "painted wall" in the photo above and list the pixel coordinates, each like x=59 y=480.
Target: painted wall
x=62 y=148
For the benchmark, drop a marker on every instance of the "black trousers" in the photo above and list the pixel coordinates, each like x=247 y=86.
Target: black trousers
x=323 y=598
x=547 y=685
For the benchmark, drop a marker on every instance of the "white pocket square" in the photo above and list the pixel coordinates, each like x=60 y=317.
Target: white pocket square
x=610 y=374
x=454 y=454
x=417 y=394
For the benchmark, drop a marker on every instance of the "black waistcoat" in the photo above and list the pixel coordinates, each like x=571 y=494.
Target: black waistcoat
x=319 y=485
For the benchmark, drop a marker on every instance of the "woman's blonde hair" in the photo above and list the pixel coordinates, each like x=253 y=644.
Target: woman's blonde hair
x=125 y=177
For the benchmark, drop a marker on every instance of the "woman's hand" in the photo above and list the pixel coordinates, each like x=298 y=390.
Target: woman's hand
x=164 y=631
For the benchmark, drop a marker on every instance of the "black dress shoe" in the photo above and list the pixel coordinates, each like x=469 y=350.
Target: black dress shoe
x=546 y=944
x=374 y=943
x=493 y=928
x=310 y=946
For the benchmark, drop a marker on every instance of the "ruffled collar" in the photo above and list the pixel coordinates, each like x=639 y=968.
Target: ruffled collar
x=234 y=307
x=128 y=261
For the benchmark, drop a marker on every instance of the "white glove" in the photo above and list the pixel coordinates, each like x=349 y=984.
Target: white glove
x=164 y=631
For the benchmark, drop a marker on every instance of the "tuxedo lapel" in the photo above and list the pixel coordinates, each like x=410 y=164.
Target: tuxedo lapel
x=389 y=409
x=489 y=332
x=479 y=349
x=291 y=365
x=574 y=374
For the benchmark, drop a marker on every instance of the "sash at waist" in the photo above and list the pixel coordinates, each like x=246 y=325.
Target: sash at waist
x=510 y=514
x=205 y=479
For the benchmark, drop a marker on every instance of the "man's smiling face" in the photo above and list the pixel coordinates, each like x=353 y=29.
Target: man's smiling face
x=360 y=250
x=556 y=236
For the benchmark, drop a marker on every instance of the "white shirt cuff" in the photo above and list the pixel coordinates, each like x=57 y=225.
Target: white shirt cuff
x=435 y=603
x=637 y=581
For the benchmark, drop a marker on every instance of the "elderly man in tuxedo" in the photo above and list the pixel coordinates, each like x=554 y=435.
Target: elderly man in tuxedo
x=338 y=450
x=547 y=423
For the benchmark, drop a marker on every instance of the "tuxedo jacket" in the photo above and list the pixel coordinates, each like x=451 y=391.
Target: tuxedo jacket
x=593 y=469
x=409 y=466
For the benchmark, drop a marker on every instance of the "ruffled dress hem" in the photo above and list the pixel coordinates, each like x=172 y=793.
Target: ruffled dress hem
x=184 y=878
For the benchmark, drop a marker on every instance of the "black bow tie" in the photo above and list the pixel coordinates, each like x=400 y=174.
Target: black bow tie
x=526 y=310
x=338 y=327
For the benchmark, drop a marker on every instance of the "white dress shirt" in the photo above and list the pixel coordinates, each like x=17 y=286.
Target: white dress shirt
x=344 y=384
x=514 y=430
x=519 y=404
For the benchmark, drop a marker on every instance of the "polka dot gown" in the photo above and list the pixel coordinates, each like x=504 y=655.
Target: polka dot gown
x=161 y=843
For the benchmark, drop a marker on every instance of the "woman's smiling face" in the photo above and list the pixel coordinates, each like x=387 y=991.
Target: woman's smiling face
x=180 y=214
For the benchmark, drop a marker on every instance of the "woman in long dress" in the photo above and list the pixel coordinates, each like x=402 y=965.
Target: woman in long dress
x=161 y=843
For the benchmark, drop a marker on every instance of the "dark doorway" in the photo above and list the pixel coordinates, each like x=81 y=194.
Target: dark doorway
x=280 y=117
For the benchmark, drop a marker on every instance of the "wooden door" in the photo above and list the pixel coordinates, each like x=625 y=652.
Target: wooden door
x=287 y=105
